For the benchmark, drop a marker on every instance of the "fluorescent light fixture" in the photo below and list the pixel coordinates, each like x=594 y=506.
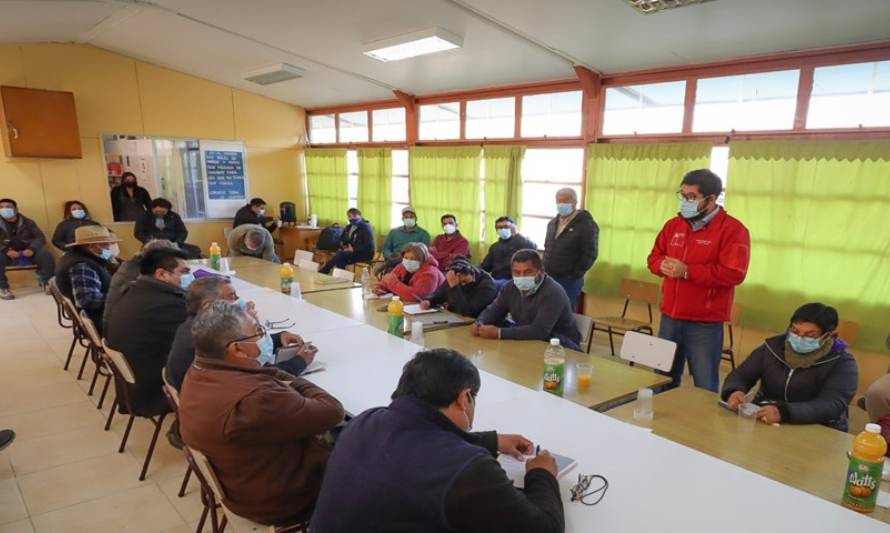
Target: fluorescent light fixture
x=274 y=74
x=647 y=7
x=418 y=43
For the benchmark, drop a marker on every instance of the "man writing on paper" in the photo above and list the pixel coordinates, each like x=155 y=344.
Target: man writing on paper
x=467 y=290
x=252 y=240
x=415 y=466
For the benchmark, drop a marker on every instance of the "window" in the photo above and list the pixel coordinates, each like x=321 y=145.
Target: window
x=352 y=177
x=545 y=171
x=440 y=121
x=653 y=108
x=720 y=166
x=763 y=101
x=354 y=127
x=322 y=129
x=389 y=124
x=850 y=96
x=491 y=119
x=552 y=115
x=401 y=196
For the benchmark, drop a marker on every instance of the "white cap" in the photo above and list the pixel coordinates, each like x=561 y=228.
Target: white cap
x=873 y=428
x=554 y=342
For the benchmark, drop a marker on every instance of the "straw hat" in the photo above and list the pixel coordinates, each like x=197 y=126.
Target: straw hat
x=92 y=234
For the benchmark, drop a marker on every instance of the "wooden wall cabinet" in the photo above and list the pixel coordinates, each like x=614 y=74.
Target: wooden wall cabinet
x=39 y=123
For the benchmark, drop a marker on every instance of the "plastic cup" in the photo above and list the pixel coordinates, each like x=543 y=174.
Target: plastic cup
x=417 y=333
x=643 y=410
x=224 y=265
x=583 y=373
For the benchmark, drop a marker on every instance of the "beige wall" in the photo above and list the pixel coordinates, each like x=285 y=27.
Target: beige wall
x=117 y=94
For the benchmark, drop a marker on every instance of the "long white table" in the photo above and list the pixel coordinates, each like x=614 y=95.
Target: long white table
x=655 y=484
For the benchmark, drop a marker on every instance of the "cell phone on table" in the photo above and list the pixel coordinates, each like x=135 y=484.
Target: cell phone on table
x=286 y=353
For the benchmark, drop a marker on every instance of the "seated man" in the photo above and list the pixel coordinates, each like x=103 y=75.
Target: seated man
x=21 y=243
x=467 y=290
x=255 y=213
x=128 y=271
x=161 y=222
x=416 y=278
x=144 y=323
x=254 y=241
x=538 y=306
x=414 y=466
x=497 y=261
x=450 y=244
x=398 y=237
x=356 y=245
x=202 y=293
x=806 y=375
x=84 y=272
x=259 y=427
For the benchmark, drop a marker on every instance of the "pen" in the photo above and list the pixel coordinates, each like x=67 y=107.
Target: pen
x=537 y=450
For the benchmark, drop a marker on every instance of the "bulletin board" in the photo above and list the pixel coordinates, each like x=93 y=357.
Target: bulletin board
x=226 y=184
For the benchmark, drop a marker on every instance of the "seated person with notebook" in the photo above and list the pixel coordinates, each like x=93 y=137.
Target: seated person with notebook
x=204 y=292
x=806 y=375
x=416 y=278
x=537 y=304
x=467 y=290
x=414 y=465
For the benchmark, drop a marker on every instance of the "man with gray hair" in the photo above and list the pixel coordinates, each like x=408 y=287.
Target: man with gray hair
x=572 y=244
x=252 y=240
x=259 y=427
x=128 y=271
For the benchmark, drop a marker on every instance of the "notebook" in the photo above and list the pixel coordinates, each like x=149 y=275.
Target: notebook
x=415 y=309
x=515 y=468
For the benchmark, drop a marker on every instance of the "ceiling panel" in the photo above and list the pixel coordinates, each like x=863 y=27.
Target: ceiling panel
x=43 y=20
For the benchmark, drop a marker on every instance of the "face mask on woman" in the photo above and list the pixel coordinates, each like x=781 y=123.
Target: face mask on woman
x=411 y=265
x=78 y=213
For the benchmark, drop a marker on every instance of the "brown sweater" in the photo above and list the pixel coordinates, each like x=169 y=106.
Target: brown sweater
x=259 y=428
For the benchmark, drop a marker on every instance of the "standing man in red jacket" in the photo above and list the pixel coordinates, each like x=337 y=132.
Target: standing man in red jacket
x=703 y=254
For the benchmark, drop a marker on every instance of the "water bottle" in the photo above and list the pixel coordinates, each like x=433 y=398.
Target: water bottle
x=366 y=284
x=643 y=408
x=215 y=256
x=295 y=292
x=554 y=368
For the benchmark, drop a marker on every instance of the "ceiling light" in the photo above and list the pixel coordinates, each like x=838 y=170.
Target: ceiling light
x=647 y=7
x=274 y=74
x=418 y=43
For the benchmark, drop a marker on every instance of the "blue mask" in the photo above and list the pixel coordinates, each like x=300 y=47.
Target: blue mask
x=267 y=350
x=186 y=280
x=803 y=344
x=524 y=283
x=79 y=213
x=106 y=254
x=409 y=222
x=565 y=210
x=411 y=265
x=7 y=212
x=689 y=208
x=505 y=233
x=241 y=303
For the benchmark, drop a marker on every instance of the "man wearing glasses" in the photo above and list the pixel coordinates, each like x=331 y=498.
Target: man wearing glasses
x=702 y=254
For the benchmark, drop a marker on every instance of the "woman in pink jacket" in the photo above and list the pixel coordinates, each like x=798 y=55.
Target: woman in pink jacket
x=416 y=278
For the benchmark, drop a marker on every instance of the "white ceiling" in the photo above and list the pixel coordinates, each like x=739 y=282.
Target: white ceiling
x=221 y=40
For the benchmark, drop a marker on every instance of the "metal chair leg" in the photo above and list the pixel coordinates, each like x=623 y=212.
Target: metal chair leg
x=203 y=519
x=93 y=382
x=151 y=447
x=126 y=434
x=104 y=392
x=185 y=481
x=83 y=364
x=611 y=341
x=111 y=414
x=70 y=351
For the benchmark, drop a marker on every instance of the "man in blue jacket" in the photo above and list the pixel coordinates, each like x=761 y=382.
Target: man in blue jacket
x=356 y=245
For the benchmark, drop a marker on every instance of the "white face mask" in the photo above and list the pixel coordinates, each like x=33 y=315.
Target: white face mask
x=449 y=229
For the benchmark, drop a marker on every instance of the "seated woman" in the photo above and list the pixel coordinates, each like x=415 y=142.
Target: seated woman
x=75 y=215
x=416 y=278
x=356 y=245
x=877 y=402
x=467 y=290
x=806 y=375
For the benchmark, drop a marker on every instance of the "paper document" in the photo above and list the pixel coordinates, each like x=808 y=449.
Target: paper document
x=415 y=309
x=884 y=499
x=314 y=366
x=330 y=280
x=384 y=296
x=515 y=468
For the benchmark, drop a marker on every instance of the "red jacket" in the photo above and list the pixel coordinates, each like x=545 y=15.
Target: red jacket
x=717 y=257
x=446 y=248
x=422 y=284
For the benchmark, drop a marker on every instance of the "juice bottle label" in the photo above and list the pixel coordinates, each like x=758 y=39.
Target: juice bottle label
x=214 y=261
x=863 y=482
x=396 y=326
x=285 y=284
x=554 y=374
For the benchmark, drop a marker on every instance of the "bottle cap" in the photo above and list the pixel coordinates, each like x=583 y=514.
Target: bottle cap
x=213 y=243
x=395 y=298
x=873 y=428
x=554 y=342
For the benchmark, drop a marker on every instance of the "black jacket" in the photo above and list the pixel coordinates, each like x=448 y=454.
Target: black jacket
x=127 y=271
x=20 y=235
x=64 y=233
x=174 y=229
x=361 y=237
x=819 y=394
x=498 y=260
x=126 y=209
x=467 y=300
x=245 y=215
x=572 y=253
x=143 y=326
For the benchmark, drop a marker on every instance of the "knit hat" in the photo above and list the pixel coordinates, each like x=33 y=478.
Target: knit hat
x=86 y=235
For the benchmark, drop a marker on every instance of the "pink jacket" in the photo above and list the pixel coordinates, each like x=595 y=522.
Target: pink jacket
x=422 y=284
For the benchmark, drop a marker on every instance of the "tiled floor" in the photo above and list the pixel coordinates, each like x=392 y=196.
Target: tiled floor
x=63 y=472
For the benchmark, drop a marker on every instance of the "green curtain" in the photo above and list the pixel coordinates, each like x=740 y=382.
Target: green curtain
x=327 y=180
x=375 y=187
x=818 y=216
x=631 y=193
x=446 y=180
x=503 y=188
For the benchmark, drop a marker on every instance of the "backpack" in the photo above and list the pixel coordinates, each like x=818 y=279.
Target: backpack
x=329 y=238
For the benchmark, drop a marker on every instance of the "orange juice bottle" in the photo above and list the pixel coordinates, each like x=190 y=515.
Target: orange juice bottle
x=215 y=255
x=396 y=312
x=866 y=465
x=287 y=277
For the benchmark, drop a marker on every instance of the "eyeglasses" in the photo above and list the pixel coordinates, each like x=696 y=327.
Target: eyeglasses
x=581 y=492
x=280 y=324
x=260 y=332
x=682 y=196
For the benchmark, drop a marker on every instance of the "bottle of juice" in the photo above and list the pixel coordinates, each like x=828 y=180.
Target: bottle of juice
x=396 y=317
x=366 y=284
x=554 y=368
x=215 y=256
x=864 y=475
x=287 y=277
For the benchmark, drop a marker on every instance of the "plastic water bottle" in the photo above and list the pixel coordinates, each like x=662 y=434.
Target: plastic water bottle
x=554 y=368
x=396 y=317
x=366 y=284
x=295 y=292
x=215 y=256
x=643 y=409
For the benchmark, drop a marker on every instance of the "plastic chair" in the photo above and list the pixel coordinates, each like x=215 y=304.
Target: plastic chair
x=345 y=275
x=735 y=319
x=648 y=350
x=96 y=349
x=633 y=291
x=308 y=266
x=303 y=255
x=585 y=326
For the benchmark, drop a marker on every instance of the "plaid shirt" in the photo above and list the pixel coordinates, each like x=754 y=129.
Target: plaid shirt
x=87 y=287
